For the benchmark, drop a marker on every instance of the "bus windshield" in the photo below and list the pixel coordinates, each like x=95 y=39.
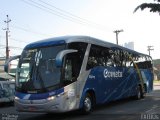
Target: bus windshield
x=37 y=72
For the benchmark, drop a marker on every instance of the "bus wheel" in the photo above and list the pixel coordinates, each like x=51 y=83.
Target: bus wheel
x=87 y=104
x=139 y=93
x=145 y=91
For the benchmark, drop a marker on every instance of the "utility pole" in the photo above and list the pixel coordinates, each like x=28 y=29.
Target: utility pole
x=117 y=32
x=149 y=49
x=7 y=31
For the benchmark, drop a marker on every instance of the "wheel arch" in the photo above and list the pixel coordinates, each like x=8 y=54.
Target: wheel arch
x=92 y=93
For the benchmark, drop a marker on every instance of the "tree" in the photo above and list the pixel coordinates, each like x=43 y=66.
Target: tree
x=154 y=7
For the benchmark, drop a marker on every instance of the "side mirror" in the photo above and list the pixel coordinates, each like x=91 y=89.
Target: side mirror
x=61 y=54
x=11 y=65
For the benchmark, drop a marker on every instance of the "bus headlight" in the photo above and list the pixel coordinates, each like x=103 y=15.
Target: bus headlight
x=16 y=98
x=51 y=98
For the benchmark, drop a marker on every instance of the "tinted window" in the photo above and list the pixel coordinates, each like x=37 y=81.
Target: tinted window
x=73 y=62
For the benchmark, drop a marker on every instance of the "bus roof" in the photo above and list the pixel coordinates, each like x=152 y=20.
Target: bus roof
x=86 y=39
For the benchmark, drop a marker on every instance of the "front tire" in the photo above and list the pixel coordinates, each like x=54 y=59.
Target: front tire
x=87 y=104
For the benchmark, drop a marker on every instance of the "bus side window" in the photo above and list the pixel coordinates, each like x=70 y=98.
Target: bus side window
x=110 y=59
x=92 y=58
x=99 y=56
x=110 y=62
x=91 y=62
x=76 y=58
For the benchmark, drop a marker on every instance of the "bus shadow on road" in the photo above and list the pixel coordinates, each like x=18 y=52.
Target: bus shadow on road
x=5 y=105
x=52 y=116
x=130 y=105
x=77 y=114
x=120 y=108
x=115 y=103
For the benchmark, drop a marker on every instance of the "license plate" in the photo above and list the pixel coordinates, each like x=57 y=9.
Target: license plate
x=32 y=108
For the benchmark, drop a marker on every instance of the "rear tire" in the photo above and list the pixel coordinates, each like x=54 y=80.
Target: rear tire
x=139 y=94
x=145 y=91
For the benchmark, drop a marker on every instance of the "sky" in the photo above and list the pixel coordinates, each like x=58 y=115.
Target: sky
x=33 y=20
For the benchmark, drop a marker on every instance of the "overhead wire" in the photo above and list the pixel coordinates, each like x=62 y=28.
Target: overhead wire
x=50 y=8
x=14 y=39
x=73 y=18
x=64 y=14
x=15 y=47
x=44 y=8
x=93 y=24
x=19 y=40
x=31 y=31
x=2 y=54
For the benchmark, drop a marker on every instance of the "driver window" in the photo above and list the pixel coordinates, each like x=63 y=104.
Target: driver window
x=68 y=70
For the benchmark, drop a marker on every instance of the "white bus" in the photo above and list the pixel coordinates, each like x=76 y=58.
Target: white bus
x=77 y=72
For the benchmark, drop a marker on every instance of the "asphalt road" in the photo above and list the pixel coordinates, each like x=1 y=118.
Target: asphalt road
x=127 y=109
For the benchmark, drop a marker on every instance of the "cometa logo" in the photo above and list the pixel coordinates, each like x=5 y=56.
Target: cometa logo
x=112 y=73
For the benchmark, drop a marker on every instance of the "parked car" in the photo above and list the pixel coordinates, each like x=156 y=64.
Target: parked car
x=7 y=91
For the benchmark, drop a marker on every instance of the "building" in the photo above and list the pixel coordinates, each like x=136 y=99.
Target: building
x=129 y=45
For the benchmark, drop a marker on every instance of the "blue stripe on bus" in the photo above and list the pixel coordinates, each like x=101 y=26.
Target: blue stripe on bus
x=111 y=88
x=38 y=96
x=121 y=88
x=125 y=88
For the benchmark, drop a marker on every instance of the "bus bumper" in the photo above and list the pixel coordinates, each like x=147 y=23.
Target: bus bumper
x=39 y=106
x=55 y=104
